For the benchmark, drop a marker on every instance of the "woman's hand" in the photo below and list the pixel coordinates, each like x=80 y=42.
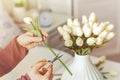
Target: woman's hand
x=36 y=74
x=29 y=40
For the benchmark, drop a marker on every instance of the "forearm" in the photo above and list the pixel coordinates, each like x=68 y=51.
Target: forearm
x=10 y=56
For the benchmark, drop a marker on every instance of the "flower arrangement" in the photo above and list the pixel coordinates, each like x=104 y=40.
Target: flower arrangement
x=83 y=37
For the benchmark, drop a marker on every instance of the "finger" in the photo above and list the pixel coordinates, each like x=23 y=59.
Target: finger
x=32 y=45
x=35 y=44
x=39 y=65
x=44 y=33
x=29 y=34
x=51 y=77
x=42 y=71
x=43 y=60
x=34 y=39
x=49 y=72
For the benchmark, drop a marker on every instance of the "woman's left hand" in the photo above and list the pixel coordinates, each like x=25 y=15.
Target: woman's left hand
x=29 y=40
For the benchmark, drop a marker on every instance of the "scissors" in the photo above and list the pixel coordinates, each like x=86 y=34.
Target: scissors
x=50 y=62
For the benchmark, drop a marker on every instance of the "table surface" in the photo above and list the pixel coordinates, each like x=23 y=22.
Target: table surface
x=40 y=53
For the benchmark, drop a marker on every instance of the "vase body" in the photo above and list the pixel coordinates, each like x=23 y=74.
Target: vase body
x=82 y=69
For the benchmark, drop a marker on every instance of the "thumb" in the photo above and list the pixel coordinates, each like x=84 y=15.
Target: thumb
x=39 y=65
x=49 y=72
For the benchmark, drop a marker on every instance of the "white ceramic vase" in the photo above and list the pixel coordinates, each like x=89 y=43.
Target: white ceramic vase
x=82 y=69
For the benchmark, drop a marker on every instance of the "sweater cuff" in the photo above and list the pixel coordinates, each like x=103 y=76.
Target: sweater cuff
x=20 y=47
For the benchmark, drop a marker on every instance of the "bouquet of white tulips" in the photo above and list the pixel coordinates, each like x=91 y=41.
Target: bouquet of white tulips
x=83 y=37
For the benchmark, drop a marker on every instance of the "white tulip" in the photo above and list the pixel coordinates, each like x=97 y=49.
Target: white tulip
x=69 y=22
x=95 y=25
x=79 y=41
x=92 y=17
x=110 y=27
x=66 y=36
x=110 y=36
x=76 y=22
x=91 y=24
x=60 y=30
x=107 y=23
x=99 y=40
x=99 y=29
x=77 y=31
x=27 y=20
x=68 y=43
x=103 y=34
x=67 y=29
x=84 y=19
x=91 y=41
x=87 y=30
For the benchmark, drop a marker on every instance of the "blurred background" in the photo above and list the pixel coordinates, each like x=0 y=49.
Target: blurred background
x=53 y=13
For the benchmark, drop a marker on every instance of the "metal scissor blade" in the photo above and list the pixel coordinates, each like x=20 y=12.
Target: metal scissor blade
x=52 y=61
x=56 y=58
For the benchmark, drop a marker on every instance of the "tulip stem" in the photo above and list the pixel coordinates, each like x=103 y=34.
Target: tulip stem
x=39 y=34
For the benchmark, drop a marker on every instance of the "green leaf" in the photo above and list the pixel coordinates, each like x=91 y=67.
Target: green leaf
x=29 y=30
x=86 y=51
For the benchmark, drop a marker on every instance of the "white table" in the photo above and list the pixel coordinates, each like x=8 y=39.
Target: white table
x=39 y=53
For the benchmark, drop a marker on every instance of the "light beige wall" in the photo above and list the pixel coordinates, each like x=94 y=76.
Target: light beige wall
x=60 y=6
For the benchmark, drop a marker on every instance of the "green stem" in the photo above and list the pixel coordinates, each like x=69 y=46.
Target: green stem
x=55 y=54
x=40 y=35
x=57 y=57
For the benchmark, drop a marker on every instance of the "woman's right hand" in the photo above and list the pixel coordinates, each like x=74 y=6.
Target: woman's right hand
x=36 y=74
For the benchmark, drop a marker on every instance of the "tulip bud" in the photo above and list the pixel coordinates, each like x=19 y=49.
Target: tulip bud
x=92 y=17
x=76 y=22
x=91 y=24
x=60 y=30
x=67 y=29
x=79 y=41
x=69 y=22
x=103 y=34
x=95 y=25
x=110 y=36
x=99 y=40
x=87 y=30
x=27 y=20
x=77 y=31
x=68 y=43
x=99 y=29
x=66 y=36
x=107 y=23
x=84 y=19
x=110 y=27
x=91 y=41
